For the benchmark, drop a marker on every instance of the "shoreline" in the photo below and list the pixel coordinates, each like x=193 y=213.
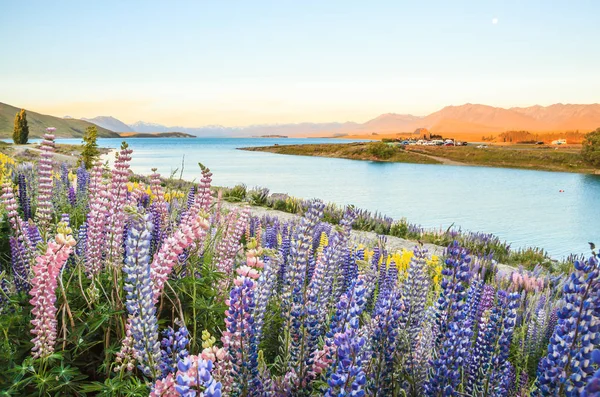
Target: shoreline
x=532 y=159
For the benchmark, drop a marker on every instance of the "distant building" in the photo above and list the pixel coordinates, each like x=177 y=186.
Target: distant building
x=423 y=132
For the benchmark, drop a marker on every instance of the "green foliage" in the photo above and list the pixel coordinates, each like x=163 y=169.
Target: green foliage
x=90 y=147
x=590 y=150
x=381 y=150
x=21 y=129
x=399 y=229
x=236 y=193
x=259 y=196
x=530 y=257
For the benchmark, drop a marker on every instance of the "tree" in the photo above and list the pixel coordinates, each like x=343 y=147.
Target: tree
x=590 y=150
x=21 y=130
x=90 y=147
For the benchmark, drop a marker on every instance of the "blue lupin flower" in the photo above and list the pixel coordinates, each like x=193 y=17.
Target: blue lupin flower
x=348 y=378
x=20 y=265
x=384 y=339
x=568 y=367
x=24 y=198
x=139 y=303
x=173 y=348
x=200 y=379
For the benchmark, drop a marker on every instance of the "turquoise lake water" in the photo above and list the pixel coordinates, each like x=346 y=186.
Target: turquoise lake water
x=522 y=207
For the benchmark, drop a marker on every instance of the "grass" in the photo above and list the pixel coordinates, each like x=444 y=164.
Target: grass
x=527 y=157
x=370 y=151
x=65 y=128
x=518 y=156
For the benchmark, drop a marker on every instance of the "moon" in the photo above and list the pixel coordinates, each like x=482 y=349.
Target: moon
x=495 y=21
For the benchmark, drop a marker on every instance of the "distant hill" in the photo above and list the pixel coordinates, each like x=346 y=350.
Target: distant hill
x=217 y=131
x=65 y=128
x=156 y=135
x=110 y=123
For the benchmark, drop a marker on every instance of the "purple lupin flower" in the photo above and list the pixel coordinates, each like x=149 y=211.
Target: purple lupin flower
x=240 y=337
x=455 y=328
x=383 y=344
x=24 y=198
x=20 y=265
x=348 y=378
x=139 y=299
x=72 y=196
x=173 y=349
x=414 y=292
x=568 y=367
x=265 y=287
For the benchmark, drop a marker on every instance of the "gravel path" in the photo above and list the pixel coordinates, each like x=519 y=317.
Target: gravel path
x=70 y=159
x=359 y=236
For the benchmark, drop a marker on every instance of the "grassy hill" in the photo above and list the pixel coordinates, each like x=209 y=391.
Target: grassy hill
x=65 y=128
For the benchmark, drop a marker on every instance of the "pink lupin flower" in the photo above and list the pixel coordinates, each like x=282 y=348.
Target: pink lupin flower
x=167 y=256
x=230 y=244
x=96 y=222
x=117 y=203
x=43 y=294
x=44 y=199
x=8 y=199
x=159 y=194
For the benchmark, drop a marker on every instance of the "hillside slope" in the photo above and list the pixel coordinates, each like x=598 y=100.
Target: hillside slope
x=65 y=128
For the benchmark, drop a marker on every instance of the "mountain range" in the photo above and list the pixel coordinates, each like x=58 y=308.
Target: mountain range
x=467 y=119
x=464 y=119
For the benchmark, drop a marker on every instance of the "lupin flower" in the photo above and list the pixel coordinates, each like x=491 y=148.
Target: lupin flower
x=239 y=339
x=454 y=326
x=117 y=202
x=44 y=199
x=230 y=244
x=173 y=348
x=187 y=234
x=264 y=290
x=193 y=379
x=20 y=264
x=348 y=378
x=414 y=292
x=44 y=283
x=96 y=222
x=24 y=197
x=593 y=386
x=139 y=299
x=568 y=366
x=384 y=338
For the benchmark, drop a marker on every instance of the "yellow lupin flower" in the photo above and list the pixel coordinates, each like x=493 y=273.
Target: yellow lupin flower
x=207 y=340
x=6 y=164
x=435 y=269
x=323 y=242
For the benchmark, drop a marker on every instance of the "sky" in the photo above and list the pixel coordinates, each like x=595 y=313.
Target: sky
x=260 y=62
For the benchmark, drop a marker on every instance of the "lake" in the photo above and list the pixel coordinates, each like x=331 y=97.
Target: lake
x=523 y=207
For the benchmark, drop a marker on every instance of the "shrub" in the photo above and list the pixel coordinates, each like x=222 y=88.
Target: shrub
x=236 y=193
x=259 y=196
x=590 y=150
x=381 y=150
